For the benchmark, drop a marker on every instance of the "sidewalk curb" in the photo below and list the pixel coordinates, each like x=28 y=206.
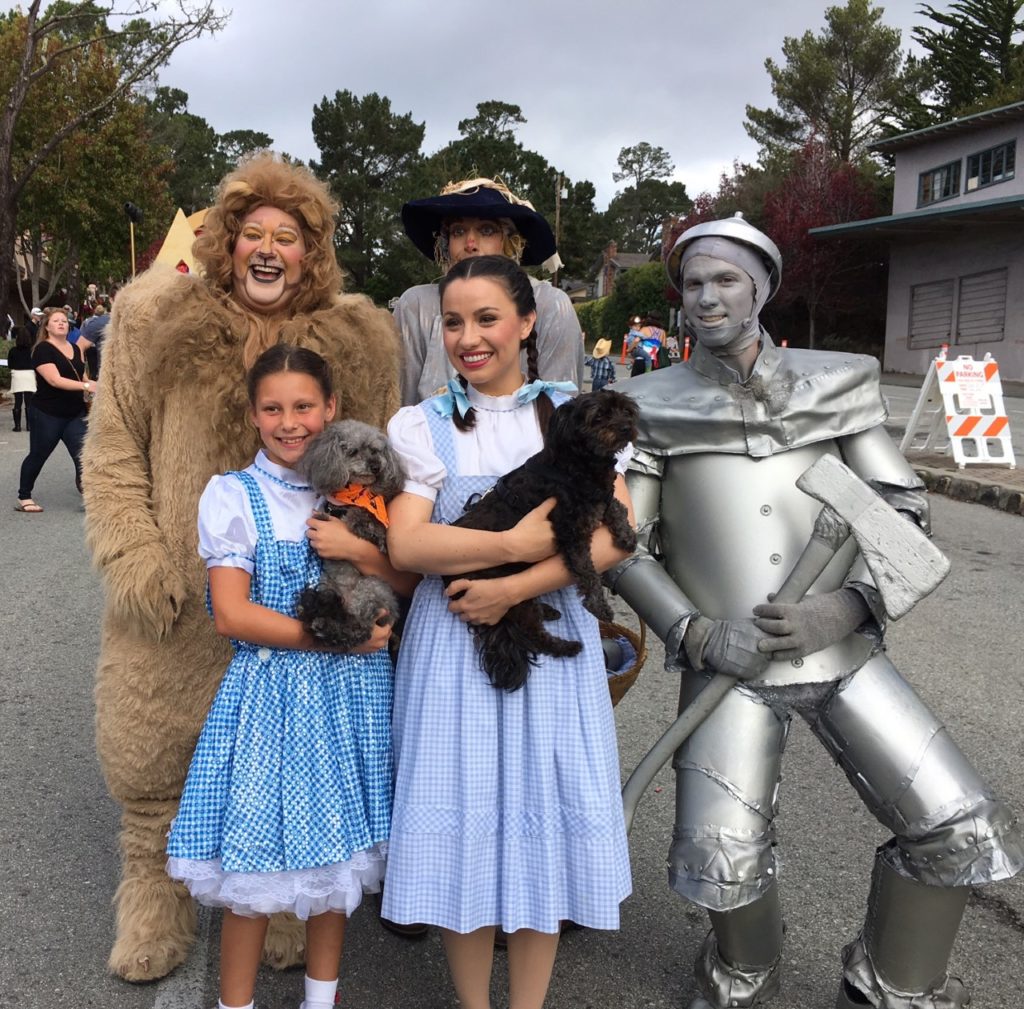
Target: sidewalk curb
x=973 y=491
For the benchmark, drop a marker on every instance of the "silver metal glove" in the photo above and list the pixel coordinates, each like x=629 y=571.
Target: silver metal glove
x=796 y=630
x=725 y=646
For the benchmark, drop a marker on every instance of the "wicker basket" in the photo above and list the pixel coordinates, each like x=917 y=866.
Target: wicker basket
x=620 y=683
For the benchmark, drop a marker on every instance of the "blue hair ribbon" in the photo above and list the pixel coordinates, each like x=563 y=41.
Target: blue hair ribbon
x=454 y=397
x=529 y=392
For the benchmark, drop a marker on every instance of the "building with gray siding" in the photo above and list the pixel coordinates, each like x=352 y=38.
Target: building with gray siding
x=956 y=241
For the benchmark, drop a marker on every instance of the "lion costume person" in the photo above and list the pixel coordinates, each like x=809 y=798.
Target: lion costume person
x=171 y=413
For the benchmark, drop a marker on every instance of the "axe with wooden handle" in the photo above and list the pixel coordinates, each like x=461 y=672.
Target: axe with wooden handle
x=905 y=564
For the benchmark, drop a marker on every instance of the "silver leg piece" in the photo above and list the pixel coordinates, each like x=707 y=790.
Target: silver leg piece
x=899 y=959
x=738 y=964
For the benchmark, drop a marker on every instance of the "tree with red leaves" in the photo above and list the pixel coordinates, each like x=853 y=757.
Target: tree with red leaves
x=819 y=191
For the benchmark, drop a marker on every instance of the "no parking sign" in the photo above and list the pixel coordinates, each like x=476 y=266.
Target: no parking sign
x=975 y=416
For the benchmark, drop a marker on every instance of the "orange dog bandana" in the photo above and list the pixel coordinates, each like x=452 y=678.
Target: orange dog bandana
x=356 y=494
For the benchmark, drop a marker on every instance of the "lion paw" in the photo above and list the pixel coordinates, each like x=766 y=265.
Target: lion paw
x=147 y=960
x=156 y=925
x=285 y=944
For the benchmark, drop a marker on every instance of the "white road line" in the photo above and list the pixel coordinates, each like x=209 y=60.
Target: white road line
x=186 y=987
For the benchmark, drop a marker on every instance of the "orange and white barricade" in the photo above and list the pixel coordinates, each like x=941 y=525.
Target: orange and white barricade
x=960 y=408
x=979 y=429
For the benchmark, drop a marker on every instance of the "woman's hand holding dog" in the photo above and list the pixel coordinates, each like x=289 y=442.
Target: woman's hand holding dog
x=532 y=538
x=483 y=601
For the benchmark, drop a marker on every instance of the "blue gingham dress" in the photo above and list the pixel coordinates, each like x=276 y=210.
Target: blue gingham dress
x=288 y=798
x=507 y=808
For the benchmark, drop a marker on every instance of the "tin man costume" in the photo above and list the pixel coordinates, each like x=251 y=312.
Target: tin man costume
x=722 y=439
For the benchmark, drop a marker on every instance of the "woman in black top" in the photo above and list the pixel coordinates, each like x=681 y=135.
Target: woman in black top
x=58 y=408
x=23 y=376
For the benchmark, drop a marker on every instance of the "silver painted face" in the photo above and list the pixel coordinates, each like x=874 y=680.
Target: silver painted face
x=718 y=300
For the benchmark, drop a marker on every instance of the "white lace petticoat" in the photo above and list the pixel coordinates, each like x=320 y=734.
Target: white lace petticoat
x=304 y=892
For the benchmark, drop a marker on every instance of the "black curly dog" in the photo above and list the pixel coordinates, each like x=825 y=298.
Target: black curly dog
x=577 y=467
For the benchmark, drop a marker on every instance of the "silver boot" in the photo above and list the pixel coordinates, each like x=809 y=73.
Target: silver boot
x=899 y=959
x=738 y=964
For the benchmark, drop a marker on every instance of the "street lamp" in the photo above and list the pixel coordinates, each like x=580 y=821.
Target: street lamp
x=134 y=217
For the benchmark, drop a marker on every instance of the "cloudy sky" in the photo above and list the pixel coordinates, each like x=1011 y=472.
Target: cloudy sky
x=591 y=76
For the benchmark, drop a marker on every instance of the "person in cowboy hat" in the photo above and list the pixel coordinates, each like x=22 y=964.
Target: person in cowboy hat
x=472 y=218
x=602 y=368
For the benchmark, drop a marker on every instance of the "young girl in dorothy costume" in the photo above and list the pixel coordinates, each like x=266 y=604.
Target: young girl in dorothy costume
x=507 y=809
x=288 y=799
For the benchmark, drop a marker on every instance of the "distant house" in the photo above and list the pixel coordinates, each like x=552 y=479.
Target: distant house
x=578 y=290
x=956 y=239
x=610 y=264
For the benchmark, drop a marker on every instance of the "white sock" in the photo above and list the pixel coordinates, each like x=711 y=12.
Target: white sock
x=222 y=1005
x=319 y=994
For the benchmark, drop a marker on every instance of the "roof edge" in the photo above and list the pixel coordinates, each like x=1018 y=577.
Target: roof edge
x=949 y=126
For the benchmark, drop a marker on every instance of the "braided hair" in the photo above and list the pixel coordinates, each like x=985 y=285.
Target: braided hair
x=519 y=289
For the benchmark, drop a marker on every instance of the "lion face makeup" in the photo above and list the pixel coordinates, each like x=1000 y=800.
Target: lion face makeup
x=267 y=260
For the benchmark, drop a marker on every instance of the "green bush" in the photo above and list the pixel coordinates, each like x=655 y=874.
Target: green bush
x=637 y=292
x=591 y=317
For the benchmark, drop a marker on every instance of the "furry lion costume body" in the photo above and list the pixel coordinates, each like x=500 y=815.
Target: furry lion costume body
x=172 y=412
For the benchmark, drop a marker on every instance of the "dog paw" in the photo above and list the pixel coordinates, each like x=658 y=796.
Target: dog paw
x=599 y=607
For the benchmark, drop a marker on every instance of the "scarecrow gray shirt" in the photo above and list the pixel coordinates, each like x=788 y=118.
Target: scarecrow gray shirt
x=426 y=367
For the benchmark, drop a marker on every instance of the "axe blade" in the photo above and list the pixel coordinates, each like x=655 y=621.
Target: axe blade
x=905 y=564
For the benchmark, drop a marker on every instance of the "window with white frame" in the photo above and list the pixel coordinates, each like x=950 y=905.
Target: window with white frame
x=986 y=168
x=942 y=183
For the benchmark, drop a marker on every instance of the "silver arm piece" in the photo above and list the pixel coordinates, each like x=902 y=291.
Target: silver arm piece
x=874 y=457
x=640 y=580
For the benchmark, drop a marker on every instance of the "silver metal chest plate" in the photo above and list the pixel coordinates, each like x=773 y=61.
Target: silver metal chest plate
x=731 y=529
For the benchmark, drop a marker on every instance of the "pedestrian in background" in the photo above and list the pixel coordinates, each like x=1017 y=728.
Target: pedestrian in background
x=23 y=377
x=58 y=408
x=602 y=368
x=94 y=330
x=636 y=349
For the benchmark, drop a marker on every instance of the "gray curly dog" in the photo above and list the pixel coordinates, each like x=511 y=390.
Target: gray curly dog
x=342 y=609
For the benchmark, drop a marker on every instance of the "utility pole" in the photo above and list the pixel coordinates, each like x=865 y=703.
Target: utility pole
x=558 y=219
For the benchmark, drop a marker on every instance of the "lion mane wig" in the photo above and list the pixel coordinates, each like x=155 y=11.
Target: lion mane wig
x=266 y=180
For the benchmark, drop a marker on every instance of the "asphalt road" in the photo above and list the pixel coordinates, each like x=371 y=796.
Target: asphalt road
x=58 y=828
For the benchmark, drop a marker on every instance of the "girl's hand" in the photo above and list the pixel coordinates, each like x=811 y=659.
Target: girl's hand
x=378 y=639
x=483 y=601
x=532 y=538
x=334 y=541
